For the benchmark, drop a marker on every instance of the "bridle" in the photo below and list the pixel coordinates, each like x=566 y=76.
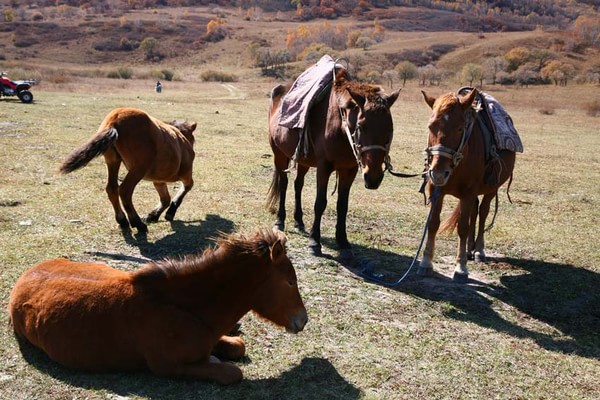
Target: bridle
x=443 y=151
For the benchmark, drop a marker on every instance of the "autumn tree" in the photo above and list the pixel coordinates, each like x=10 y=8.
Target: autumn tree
x=389 y=75
x=493 y=66
x=151 y=47
x=472 y=72
x=406 y=70
x=516 y=57
x=559 y=72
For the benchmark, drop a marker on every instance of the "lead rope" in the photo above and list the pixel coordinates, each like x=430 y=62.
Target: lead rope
x=368 y=272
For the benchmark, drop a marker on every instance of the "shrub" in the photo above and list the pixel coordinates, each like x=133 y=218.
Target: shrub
x=218 y=76
x=125 y=73
x=167 y=74
x=592 y=108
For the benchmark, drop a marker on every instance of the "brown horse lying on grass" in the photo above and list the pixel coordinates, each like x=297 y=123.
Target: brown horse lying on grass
x=168 y=317
x=150 y=149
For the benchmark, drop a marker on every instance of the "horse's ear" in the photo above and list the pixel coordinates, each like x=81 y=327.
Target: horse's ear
x=193 y=126
x=358 y=99
x=429 y=100
x=466 y=101
x=391 y=99
x=277 y=250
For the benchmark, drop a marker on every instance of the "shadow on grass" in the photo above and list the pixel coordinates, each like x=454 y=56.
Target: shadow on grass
x=561 y=295
x=314 y=378
x=188 y=237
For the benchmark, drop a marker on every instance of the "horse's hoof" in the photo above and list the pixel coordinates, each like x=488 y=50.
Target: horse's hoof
x=278 y=226
x=170 y=216
x=300 y=228
x=142 y=228
x=150 y=218
x=424 y=272
x=459 y=277
x=470 y=256
x=480 y=257
x=314 y=248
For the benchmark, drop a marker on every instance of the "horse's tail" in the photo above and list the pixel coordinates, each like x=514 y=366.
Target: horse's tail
x=273 y=194
x=452 y=221
x=97 y=145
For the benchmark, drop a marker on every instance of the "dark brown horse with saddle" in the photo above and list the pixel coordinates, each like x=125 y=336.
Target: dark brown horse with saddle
x=458 y=164
x=349 y=128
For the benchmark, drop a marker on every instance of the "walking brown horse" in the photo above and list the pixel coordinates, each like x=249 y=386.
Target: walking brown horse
x=152 y=150
x=456 y=165
x=168 y=317
x=350 y=107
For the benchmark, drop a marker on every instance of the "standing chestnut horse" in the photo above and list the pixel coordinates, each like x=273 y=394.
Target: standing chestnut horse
x=456 y=164
x=151 y=150
x=168 y=317
x=350 y=107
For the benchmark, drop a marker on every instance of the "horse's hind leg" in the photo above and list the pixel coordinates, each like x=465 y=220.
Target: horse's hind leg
x=314 y=242
x=484 y=210
x=298 y=185
x=113 y=163
x=133 y=177
x=472 y=227
x=165 y=200
x=278 y=189
x=187 y=186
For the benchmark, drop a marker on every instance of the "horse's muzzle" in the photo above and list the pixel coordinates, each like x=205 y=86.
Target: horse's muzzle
x=438 y=178
x=297 y=322
x=372 y=178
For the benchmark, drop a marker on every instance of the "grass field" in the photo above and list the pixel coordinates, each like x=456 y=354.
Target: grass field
x=525 y=327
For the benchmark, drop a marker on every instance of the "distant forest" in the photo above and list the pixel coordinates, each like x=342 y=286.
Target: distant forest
x=495 y=15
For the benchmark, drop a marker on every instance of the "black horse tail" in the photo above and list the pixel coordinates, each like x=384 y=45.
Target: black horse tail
x=273 y=194
x=97 y=145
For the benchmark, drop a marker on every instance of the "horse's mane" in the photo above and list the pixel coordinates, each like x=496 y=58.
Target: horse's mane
x=444 y=103
x=257 y=246
x=371 y=93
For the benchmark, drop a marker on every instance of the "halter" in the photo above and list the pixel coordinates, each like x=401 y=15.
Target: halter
x=455 y=155
x=354 y=137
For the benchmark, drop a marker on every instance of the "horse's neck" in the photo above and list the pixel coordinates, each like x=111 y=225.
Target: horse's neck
x=218 y=294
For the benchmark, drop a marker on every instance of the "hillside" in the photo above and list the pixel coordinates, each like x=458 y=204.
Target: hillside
x=187 y=40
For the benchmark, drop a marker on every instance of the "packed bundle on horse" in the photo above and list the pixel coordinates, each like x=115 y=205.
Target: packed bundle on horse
x=470 y=152
x=151 y=149
x=171 y=317
x=341 y=126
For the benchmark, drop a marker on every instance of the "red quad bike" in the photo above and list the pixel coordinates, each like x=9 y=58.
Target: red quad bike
x=16 y=88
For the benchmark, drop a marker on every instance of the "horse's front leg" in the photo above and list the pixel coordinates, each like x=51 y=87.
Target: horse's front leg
x=426 y=265
x=323 y=174
x=461 y=273
x=165 y=200
x=345 y=180
x=298 y=186
x=229 y=348
x=188 y=184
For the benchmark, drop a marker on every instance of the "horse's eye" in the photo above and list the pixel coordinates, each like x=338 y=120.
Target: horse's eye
x=292 y=282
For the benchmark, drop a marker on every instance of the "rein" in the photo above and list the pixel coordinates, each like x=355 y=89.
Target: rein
x=368 y=272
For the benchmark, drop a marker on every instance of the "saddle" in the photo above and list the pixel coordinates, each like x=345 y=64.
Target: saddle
x=498 y=131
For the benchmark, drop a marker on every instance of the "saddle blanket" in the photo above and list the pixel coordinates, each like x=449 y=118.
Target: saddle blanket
x=505 y=134
x=297 y=102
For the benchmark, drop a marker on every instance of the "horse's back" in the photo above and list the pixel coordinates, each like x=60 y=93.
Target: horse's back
x=149 y=143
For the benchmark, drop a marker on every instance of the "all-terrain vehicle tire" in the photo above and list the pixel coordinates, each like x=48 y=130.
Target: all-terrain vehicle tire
x=25 y=96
